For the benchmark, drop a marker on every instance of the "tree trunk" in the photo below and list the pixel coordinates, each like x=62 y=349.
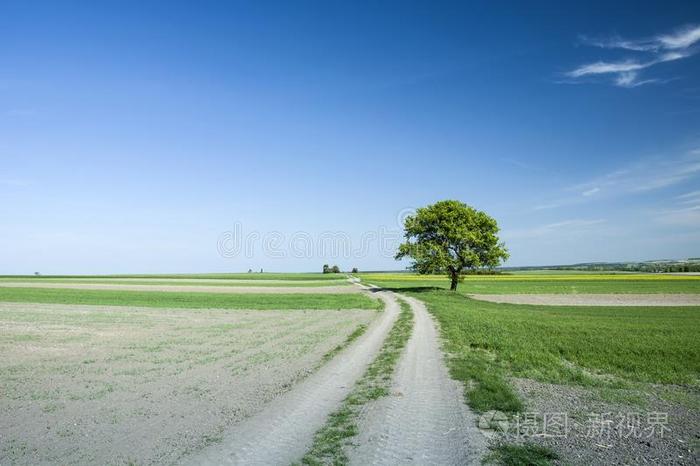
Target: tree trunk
x=454 y=276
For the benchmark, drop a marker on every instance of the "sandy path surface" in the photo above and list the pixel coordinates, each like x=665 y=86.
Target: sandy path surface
x=425 y=419
x=283 y=431
x=189 y=288
x=593 y=299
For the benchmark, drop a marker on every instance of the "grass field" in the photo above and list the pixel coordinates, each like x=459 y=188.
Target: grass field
x=164 y=372
x=600 y=346
x=182 y=281
x=189 y=300
x=229 y=276
x=545 y=283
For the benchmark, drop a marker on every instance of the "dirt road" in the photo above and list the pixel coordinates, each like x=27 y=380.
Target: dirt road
x=424 y=420
x=283 y=431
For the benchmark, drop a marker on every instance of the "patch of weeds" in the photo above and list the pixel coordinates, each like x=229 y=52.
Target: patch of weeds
x=521 y=455
x=352 y=337
x=342 y=424
x=487 y=387
x=686 y=397
x=51 y=407
x=628 y=397
x=214 y=437
x=19 y=338
x=64 y=432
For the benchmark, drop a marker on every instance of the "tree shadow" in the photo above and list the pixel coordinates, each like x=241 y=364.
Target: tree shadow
x=416 y=289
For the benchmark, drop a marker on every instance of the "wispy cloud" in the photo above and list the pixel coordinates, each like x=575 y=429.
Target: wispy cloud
x=684 y=211
x=684 y=216
x=642 y=176
x=692 y=197
x=662 y=48
x=569 y=227
x=591 y=191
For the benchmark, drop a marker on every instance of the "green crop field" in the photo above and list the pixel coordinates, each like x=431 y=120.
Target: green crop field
x=166 y=299
x=231 y=276
x=589 y=346
x=181 y=281
x=544 y=283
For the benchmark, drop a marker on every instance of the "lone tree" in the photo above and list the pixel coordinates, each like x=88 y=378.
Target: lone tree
x=451 y=237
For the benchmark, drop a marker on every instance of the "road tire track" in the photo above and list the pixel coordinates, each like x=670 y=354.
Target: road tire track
x=283 y=431
x=424 y=420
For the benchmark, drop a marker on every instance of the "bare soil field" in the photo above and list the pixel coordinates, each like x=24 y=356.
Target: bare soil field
x=114 y=385
x=187 y=288
x=284 y=430
x=593 y=299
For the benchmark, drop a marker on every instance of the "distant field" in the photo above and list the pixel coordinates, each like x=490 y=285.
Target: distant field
x=181 y=281
x=229 y=276
x=572 y=345
x=545 y=283
x=590 y=346
x=189 y=300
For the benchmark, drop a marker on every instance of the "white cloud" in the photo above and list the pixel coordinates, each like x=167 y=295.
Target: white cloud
x=591 y=191
x=688 y=216
x=602 y=67
x=646 y=175
x=663 y=48
x=685 y=212
x=682 y=38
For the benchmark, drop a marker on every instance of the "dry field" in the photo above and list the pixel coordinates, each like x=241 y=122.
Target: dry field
x=118 y=385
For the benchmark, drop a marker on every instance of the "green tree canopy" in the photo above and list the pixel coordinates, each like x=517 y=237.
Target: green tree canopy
x=451 y=237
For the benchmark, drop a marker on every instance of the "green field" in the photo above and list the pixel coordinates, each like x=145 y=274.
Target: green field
x=231 y=276
x=590 y=346
x=181 y=281
x=531 y=283
x=197 y=300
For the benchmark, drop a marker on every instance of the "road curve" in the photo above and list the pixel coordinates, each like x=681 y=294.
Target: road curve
x=424 y=420
x=283 y=431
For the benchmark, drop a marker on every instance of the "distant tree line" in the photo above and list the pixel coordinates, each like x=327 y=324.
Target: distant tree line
x=329 y=269
x=691 y=265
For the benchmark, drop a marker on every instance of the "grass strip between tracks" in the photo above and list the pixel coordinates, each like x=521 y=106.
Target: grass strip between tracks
x=375 y=383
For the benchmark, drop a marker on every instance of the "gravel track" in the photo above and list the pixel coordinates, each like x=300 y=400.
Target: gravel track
x=593 y=299
x=189 y=288
x=424 y=420
x=283 y=431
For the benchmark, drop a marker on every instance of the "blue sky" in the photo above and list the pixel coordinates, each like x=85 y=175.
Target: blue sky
x=135 y=135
